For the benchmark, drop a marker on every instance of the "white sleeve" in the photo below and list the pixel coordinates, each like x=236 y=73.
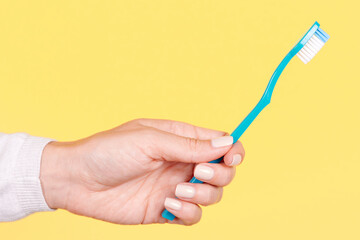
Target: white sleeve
x=20 y=188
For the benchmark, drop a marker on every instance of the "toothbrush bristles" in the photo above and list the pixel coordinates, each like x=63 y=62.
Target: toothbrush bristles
x=313 y=46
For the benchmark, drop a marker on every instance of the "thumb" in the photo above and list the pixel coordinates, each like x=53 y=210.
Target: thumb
x=172 y=147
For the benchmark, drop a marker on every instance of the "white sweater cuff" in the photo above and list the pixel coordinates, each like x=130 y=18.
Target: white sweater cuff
x=26 y=173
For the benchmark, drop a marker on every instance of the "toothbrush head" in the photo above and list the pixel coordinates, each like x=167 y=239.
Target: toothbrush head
x=311 y=43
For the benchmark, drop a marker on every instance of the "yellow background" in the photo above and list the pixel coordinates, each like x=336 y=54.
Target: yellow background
x=71 y=68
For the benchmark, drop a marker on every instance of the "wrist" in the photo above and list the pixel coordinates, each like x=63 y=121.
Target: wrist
x=55 y=176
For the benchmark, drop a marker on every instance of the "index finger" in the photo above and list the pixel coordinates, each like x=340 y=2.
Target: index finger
x=182 y=129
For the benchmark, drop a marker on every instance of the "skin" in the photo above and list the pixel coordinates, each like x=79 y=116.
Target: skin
x=123 y=175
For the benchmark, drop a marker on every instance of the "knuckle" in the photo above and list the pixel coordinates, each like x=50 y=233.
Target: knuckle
x=140 y=120
x=136 y=121
x=193 y=145
x=133 y=123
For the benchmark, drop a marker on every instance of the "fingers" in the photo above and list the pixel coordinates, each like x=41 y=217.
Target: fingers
x=172 y=147
x=214 y=176
x=203 y=194
x=187 y=213
x=178 y=141
x=217 y=174
x=235 y=155
x=181 y=128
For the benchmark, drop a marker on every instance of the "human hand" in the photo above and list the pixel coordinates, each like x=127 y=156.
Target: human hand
x=126 y=174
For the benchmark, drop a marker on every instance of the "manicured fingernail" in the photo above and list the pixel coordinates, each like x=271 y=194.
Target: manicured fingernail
x=222 y=141
x=236 y=160
x=172 y=204
x=185 y=191
x=203 y=172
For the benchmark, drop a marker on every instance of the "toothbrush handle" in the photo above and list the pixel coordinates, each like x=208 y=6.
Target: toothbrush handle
x=236 y=134
x=264 y=101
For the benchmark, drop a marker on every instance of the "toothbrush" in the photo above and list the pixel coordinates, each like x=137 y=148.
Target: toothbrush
x=305 y=49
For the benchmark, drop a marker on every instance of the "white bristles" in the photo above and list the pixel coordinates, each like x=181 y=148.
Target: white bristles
x=311 y=48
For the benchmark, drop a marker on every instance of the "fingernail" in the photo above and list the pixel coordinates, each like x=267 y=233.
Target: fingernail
x=172 y=204
x=222 y=141
x=185 y=191
x=203 y=172
x=236 y=160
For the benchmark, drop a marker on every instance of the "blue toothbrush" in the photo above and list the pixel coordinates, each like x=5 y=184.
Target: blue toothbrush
x=305 y=49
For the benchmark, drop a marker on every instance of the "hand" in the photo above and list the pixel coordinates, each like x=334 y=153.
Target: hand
x=125 y=175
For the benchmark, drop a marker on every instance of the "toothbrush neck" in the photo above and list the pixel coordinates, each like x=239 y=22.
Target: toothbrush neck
x=273 y=80
x=265 y=99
